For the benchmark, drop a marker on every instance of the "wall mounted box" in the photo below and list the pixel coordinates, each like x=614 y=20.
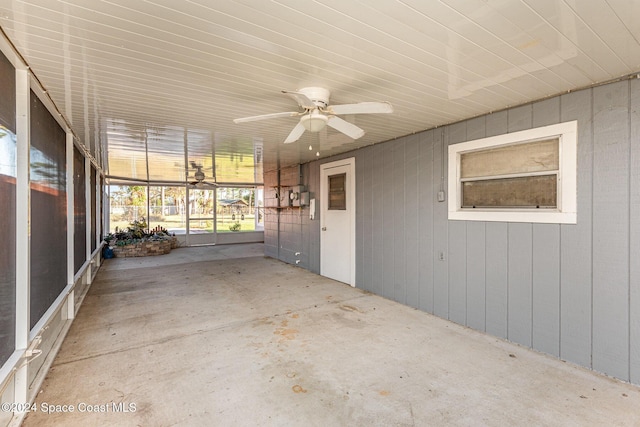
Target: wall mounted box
x=304 y=198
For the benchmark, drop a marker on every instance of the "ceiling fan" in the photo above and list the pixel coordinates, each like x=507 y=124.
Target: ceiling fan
x=199 y=178
x=317 y=113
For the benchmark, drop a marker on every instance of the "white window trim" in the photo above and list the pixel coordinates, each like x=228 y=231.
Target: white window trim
x=567 y=188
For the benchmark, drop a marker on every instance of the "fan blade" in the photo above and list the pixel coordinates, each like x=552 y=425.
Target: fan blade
x=349 y=129
x=295 y=134
x=361 y=108
x=266 y=116
x=302 y=99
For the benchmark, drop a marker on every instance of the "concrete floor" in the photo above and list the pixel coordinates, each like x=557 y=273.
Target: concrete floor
x=201 y=337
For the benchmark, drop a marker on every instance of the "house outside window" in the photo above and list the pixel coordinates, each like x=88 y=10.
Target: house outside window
x=527 y=176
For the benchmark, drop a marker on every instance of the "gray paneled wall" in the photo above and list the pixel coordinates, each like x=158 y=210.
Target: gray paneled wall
x=572 y=291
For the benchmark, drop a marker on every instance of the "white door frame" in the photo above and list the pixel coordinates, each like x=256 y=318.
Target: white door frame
x=351 y=209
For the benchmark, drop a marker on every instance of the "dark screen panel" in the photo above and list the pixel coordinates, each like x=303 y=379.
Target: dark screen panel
x=8 y=164
x=8 y=91
x=94 y=223
x=101 y=210
x=79 y=211
x=48 y=210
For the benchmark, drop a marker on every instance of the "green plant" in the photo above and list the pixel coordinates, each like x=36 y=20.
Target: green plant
x=235 y=226
x=136 y=232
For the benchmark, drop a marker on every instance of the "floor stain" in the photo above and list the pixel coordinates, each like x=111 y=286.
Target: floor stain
x=287 y=334
x=262 y=321
x=298 y=389
x=295 y=316
x=384 y=392
x=350 y=308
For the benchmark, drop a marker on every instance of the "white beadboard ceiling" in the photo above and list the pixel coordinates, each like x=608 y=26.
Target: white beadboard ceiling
x=130 y=74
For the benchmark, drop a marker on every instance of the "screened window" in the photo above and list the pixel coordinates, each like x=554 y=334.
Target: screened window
x=337 y=192
x=526 y=176
x=237 y=209
x=515 y=176
x=48 y=170
x=127 y=203
x=8 y=169
x=80 y=211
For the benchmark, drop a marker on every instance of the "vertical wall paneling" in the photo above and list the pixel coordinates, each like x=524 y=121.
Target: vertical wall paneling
x=634 y=235
x=411 y=221
x=377 y=215
x=519 y=281
x=304 y=222
x=359 y=231
x=457 y=244
x=314 y=225
x=476 y=248
x=546 y=288
x=399 y=242
x=520 y=118
x=476 y=275
x=365 y=215
x=611 y=229
x=388 y=227
x=497 y=252
x=440 y=229
x=546 y=112
x=497 y=123
x=520 y=257
x=575 y=252
x=546 y=259
x=426 y=200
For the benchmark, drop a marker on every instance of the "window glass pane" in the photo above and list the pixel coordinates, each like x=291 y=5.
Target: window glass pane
x=127 y=203
x=126 y=146
x=48 y=172
x=79 y=211
x=165 y=146
x=167 y=208
x=337 y=192
x=532 y=192
x=236 y=209
x=529 y=157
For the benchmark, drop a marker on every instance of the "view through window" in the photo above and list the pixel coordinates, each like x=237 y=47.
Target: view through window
x=231 y=209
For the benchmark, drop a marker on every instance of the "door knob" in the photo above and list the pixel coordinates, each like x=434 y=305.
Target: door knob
x=324 y=228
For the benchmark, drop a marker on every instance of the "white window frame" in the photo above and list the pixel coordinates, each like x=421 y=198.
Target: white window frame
x=565 y=213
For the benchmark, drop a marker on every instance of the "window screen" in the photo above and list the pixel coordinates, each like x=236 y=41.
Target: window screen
x=48 y=210
x=94 y=192
x=79 y=211
x=514 y=176
x=337 y=192
x=8 y=163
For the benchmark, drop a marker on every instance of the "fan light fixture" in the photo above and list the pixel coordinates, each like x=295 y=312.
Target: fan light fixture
x=317 y=113
x=314 y=122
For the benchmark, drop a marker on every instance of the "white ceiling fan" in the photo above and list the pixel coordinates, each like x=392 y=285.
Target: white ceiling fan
x=317 y=113
x=199 y=178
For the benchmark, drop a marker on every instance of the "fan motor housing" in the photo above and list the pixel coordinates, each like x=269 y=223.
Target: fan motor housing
x=319 y=95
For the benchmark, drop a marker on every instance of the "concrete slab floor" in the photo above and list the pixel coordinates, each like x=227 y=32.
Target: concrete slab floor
x=256 y=342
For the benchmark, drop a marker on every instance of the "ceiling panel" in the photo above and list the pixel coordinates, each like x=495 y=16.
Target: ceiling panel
x=141 y=80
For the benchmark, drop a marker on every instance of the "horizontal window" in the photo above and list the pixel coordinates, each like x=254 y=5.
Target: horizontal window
x=527 y=176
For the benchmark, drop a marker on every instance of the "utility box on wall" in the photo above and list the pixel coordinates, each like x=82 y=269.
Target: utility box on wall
x=304 y=198
x=296 y=196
